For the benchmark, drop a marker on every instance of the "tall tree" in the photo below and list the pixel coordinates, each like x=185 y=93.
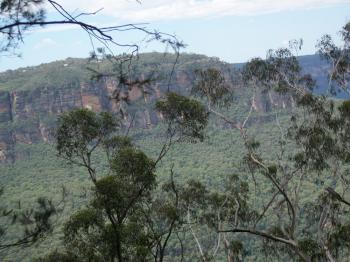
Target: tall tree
x=18 y=17
x=287 y=223
x=123 y=221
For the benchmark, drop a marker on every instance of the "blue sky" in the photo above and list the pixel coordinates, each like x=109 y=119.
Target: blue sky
x=233 y=30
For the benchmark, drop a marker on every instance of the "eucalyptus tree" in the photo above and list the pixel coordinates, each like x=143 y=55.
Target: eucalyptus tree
x=20 y=17
x=290 y=223
x=125 y=220
x=338 y=58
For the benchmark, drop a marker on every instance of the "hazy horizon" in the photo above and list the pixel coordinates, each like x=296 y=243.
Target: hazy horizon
x=233 y=31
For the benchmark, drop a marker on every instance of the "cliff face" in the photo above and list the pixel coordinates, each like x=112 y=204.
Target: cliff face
x=29 y=116
x=24 y=115
x=6 y=140
x=32 y=98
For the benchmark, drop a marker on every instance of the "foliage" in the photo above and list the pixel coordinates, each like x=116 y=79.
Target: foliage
x=212 y=85
x=13 y=11
x=35 y=223
x=40 y=172
x=116 y=224
x=184 y=115
x=338 y=57
x=282 y=198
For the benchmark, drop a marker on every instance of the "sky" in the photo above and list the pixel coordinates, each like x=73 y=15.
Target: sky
x=232 y=30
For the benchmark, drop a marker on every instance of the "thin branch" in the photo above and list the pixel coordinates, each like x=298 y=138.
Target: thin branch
x=262 y=234
x=249 y=113
x=195 y=236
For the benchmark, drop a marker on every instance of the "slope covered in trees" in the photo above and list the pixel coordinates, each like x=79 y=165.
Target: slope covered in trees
x=31 y=98
x=283 y=196
x=204 y=166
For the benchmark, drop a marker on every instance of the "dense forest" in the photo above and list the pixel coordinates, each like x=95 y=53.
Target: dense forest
x=37 y=165
x=173 y=156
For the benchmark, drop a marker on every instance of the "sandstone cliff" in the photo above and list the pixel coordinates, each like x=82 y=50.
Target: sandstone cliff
x=28 y=114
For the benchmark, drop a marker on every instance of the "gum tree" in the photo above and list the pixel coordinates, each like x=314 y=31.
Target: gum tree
x=288 y=221
x=125 y=219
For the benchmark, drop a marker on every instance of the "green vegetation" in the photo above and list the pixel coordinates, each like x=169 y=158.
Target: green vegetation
x=41 y=173
x=208 y=184
x=72 y=72
x=66 y=74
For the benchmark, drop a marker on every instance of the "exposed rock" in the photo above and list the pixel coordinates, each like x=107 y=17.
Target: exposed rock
x=28 y=114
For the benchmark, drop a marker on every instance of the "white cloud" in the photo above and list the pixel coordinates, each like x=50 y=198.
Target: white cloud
x=45 y=43
x=153 y=10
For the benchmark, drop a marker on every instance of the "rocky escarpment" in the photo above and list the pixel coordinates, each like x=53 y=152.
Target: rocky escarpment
x=29 y=107
x=29 y=116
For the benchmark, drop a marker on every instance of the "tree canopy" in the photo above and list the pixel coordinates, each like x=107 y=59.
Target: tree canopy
x=130 y=216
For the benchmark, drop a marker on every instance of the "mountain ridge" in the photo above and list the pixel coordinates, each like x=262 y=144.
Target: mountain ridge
x=31 y=98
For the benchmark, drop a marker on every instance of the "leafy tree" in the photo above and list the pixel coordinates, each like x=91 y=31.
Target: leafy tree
x=124 y=220
x=88 y=133
x=287 y=221
x=338 y=58
x=184 y=116
x=212 y=209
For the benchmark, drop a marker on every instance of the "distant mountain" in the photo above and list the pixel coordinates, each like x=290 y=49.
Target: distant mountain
x=32 y=97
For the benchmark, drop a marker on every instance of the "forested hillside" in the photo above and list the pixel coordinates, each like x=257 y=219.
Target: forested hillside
x=32 y=98
x=145 y=153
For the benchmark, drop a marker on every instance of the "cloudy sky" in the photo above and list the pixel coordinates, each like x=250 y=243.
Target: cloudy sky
x=233 y=30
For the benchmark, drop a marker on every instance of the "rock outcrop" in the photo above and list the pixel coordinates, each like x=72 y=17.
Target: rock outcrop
x=28 y=115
